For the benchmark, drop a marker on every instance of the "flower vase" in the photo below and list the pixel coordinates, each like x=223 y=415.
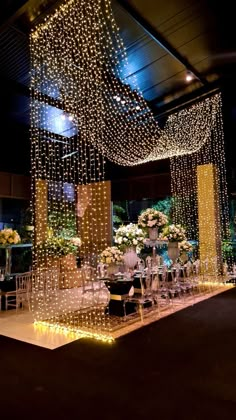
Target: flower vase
x=8 y=261
x=173 y=251
x=130 y=258
x=184 y=257
x=112 y=269
x=153 y=233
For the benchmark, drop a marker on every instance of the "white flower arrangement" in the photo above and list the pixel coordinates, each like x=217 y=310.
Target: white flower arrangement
x=76 y=241
x=185 y=246
x=151 y=218
x=130 y=236
x=9 y=237
x=173 y=233
x=111 y=255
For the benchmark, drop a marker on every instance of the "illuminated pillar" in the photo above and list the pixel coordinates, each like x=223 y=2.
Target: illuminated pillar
x=94 y=215
x=41 y=210
x=209 y=219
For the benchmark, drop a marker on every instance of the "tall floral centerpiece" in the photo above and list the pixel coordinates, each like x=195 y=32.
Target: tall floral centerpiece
x=112 y=258
x=185 y=248
x=151 y=220
x=173 y=234
x=130 y=239
x=9 y=237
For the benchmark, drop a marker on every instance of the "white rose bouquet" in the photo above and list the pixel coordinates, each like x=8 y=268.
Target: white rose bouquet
x=185 y=246
x=76 y=241
x=9 y=237
x=130 y=236
x=173 y=233
x=111 y=255
x=151 y=218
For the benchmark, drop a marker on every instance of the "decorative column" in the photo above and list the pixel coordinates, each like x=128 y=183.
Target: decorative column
x=41 y=210
x=209 y=219
x=94 y=218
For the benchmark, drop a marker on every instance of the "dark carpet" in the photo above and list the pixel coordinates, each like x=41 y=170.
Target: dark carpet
x=182 y=367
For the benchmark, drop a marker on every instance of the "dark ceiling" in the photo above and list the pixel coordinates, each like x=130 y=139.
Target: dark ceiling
x=164 y=40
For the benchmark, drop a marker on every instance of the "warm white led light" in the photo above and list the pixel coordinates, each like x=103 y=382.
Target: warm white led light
x=79 y=54
x=189 y=77
x=84 y=61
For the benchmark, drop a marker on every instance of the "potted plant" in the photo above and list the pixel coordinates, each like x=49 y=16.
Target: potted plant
x=65 y=249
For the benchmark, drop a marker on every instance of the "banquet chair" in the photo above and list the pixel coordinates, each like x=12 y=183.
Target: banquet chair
x=176 y=289
x=186 y=283
x=21 y=295
x=2 y=273
x=141 y=264
x=90 y=287
x=163 y=294
x=190 y=275
x=197 y=278
x=144 y=298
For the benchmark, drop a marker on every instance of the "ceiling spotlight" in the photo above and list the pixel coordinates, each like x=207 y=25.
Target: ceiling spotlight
x=189 y=76
x=138 y=107
x=123 y=102
x=118 y=98
x=70 y=117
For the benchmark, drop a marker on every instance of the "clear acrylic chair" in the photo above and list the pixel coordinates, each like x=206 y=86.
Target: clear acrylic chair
x=146 y=297
x=21 y=295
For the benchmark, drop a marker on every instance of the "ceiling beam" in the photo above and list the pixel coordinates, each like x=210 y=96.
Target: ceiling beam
x=158 y=37
x=12 y=15
x=186 y=100
x=38 y=9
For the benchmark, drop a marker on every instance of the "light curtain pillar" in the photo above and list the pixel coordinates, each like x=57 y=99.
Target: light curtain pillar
x=94 y=218
x=41 y=210
x=209 y=219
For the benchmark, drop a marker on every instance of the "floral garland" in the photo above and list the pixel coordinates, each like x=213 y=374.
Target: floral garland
x=151 y=218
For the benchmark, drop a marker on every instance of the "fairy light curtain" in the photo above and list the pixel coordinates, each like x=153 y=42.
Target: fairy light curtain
x=82 y=112
x=79 y=62
x=184 y=178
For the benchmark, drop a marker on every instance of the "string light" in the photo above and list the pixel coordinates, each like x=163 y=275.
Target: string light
x=84 y=60
x=78 y=63
x=63 y=78
x=184 y=181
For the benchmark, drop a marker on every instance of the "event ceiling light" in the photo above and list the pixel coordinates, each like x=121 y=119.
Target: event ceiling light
x=79 y=54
